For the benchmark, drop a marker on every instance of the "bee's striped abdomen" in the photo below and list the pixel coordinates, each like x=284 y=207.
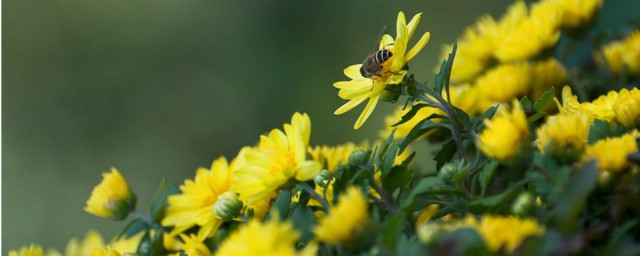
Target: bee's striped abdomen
x=381 y=56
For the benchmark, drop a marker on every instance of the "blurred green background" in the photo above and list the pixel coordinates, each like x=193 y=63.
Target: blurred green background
x=159 y=88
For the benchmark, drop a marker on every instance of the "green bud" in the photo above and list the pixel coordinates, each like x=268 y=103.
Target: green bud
x=523 y=204
x=390 y=95
x=430 y=232
x=448 y=171
x=606 y=179
x=358 y=157
x=322 y=176
x=228 y=206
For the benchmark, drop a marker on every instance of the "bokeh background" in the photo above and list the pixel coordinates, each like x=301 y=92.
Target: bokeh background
x=159 y=88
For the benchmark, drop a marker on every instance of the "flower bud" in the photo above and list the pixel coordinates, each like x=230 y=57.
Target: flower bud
x=523 y=204
x=390 y=95
x=228 y=206
x=448 y=171
x=358 y=156
x=112 y=198
x=322 y=176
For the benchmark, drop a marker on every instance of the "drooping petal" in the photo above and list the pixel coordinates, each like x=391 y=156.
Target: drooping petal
x=371 y=105
x=419 y=45
x=349 y=105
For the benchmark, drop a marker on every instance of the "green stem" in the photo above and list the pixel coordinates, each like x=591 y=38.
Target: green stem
x=316 y=196
x=384 y=199
x=147 y=219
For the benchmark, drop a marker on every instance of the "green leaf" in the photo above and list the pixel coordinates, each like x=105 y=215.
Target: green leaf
x=486 y=174
x=417 y=131
x=494 y=202
x=304 y=220
x=144 y=247
x=445 y=154
x=133 y=227
x=478 y=121
x=159 y=203
x=388 y=158
x=443 y=77
x=428 y=185
x=602 y=129
x=411 y=113
x=573 y=198
x=392 y=228
x=618 y=233
x=282 y=203
x=526 y=103
x=543 y=103
x=157 y=246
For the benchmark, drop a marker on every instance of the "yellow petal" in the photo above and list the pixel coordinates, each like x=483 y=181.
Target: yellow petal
x=401 y=25
x=354 y=84
x=351 y=93
x=349 y=105
x=371 y=105
x=419 y=45
x=386 y=40
x=411 y=27
x=353 y=72
x=307 y=170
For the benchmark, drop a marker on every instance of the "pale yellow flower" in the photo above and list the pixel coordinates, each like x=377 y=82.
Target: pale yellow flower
x=576 y=12
x=361 y=88
x=622 y=55
x=627 y=107
x=505 y=82
x=611 y=153
x=280 y=157
x=193 y=246
x=92 y=241
x=33 y=250
x=346 y=220
x=564 y=134
x=532 y=34
x=332 y=157
x=107 y=251
x=505 y=134
x=255 y=238
x=112 y=198
x=546 y=74
x=506 y=232
x=601 y=108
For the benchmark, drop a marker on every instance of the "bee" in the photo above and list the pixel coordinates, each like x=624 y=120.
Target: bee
x=372 y=65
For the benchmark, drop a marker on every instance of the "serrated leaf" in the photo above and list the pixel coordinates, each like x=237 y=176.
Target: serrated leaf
x=411 y=113
x=443 y=77
x=543 y=103
x=417 y=131
x=428 y=185
x=133 y=227
x=401 y=177
x=486 y=174
x=445 y=154
x=602 y=129
x=526 y=103
x=478 y=121
x=492 y=203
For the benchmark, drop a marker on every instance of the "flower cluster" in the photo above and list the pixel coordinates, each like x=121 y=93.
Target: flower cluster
x=514 y=173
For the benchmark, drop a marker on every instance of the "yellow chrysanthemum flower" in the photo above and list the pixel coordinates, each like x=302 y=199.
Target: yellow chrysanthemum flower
x=280 y=157
x=505 y=134
x=195 y=204
x=601 y=108
x=112 y=198
x=360 y=88
x=532 y=34
x=107 y=251
x=611 y=153
x=621 y=55
x=255 y=238
x=627 y=107
x=92 y=241
x=546 y=74
x=564 y=134
x=346 y=220
x=193 y=246
x=504 y=83
x=126 y=245
x=506 y=232
x=332 y=157
x=576 y=12
x=33 y=250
